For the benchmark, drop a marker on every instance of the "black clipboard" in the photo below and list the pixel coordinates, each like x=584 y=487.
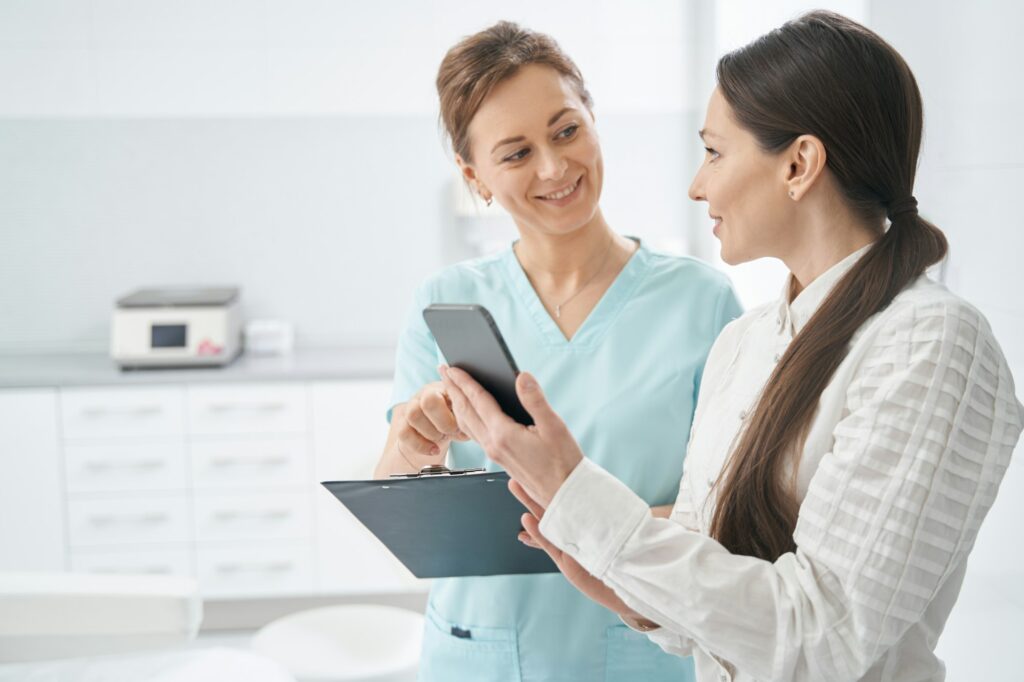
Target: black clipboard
x=445 y=526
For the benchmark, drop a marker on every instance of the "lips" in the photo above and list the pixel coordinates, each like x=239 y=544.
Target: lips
x=561 y=192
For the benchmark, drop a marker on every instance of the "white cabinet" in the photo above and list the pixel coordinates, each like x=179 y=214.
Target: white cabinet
x=220 y=481
x=122 y=521
x=140 y=465
x=31 y=489
x=256 y=569
x=118 y=413
x=237 y=464
x=247 y=409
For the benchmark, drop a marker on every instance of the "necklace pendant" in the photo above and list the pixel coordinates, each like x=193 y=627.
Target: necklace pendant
x=558 y=311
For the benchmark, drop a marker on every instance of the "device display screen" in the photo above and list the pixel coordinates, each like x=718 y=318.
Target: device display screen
x=168 y=336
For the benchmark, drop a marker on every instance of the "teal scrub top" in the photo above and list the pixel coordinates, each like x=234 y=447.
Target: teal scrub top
x=626 y=385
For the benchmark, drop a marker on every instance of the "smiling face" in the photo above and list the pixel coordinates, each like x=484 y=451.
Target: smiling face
x=746 y=189
x=535 y=149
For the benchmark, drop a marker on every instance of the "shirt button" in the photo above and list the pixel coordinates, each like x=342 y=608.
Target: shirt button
x=711 y=483
x=743 y=415
x=777 y=357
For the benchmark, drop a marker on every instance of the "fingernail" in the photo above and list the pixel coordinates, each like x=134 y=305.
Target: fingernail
x=434 y=450
x=528 y=383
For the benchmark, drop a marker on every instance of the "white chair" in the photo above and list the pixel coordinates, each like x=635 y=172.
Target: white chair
x=352 y=643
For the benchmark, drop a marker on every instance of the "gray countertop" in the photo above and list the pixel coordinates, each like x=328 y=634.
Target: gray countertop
x=95 y=369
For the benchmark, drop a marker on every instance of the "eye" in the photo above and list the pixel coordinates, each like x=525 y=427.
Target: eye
x=568 y=132
x=712 y=153
x=517 y=156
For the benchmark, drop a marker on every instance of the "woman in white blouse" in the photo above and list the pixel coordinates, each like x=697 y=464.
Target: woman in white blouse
x=849 y=438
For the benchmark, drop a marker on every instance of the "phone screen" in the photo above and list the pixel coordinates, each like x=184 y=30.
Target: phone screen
x=470 y=340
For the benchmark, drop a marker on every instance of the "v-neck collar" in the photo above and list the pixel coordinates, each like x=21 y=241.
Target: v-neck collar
x=601 y=316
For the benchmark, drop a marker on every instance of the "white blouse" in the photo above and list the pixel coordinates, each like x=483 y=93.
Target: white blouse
x=903 y=460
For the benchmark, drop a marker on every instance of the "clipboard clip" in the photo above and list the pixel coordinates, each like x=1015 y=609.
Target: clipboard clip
x=438 y=470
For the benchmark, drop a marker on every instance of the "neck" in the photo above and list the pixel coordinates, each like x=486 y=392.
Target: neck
x=564 y=260
x=827 y=236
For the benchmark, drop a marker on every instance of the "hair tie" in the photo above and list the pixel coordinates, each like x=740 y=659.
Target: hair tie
x=907 y=204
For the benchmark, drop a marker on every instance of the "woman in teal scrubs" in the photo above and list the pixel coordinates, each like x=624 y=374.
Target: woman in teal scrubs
x=616 y=332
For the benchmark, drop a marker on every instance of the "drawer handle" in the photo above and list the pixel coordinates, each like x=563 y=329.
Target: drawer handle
x=256 y=567
x=146 y=519
x=247 y=407
x=105 y=465
x=146 y=570
x=268 y=515
x=268 y=461
x=141 y=411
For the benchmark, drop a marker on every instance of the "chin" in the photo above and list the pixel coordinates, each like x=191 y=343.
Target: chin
x=732 y=257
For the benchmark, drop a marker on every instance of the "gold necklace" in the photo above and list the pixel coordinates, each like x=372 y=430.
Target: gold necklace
x=604 y=261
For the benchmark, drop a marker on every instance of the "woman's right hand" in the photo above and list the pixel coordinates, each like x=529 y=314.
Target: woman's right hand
x=421 y=431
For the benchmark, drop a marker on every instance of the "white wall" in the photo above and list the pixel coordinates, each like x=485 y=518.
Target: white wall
x=290 y=147
x=967 y=58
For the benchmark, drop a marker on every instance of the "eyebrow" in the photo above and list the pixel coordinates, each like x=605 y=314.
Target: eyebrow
x=705 y=133
x=551 y=121
x=520 y=138
x=507 y=140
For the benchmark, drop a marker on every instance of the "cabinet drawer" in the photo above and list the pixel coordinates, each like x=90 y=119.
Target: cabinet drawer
x=148 y=562
x=264 y=516
x=121 y=412
x=255 y=571
x=126 y=521
x=247 y=409
x=125 y=467
x=269 y=461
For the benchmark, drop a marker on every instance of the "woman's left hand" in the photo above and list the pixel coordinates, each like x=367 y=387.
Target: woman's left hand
x=540 y=457
x=578 y=576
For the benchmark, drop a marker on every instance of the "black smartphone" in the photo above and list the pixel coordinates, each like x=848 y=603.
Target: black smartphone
x=469 y=339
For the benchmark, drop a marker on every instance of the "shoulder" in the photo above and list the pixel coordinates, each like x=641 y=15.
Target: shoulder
x=458 y=278
x=692 y=270
x=927 y=310
x=934 y=331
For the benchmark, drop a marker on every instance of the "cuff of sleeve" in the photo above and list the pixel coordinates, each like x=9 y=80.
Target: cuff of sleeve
x=592 y=515
x=636 y=626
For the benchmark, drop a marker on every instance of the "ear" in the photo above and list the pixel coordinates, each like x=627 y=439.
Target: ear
x=806 y=161
x=471 y=178
x=467 y=170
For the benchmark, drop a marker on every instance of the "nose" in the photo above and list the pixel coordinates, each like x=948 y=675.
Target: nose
x=552 y=165
x=696 y=191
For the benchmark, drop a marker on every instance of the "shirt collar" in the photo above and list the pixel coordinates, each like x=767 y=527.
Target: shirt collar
x=793 y=316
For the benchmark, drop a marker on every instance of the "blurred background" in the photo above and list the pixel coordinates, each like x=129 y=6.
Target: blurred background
x=292 y=149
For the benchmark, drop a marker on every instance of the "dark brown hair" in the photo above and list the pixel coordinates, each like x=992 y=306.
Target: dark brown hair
x=823 y=75
x=473 y=67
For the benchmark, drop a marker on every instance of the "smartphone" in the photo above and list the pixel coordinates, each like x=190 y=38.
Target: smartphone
x=469 y=339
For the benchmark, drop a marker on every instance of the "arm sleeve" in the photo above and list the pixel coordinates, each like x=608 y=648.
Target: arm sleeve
x=417 y=357
x=892 y=511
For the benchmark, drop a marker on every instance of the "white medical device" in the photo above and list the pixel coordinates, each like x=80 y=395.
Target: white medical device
x=176 y=328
